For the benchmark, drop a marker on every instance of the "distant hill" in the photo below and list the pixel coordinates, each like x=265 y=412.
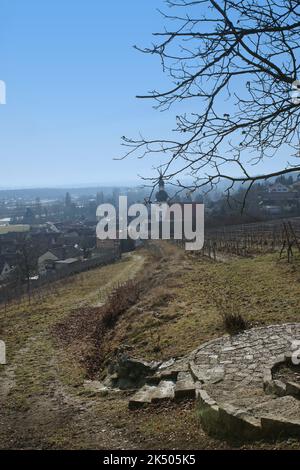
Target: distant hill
x=54 y=193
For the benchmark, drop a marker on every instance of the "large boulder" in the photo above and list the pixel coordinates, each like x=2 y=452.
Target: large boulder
x=127 y=372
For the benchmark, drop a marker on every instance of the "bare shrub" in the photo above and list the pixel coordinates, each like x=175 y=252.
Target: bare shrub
x=89 y=326
x=120 y=299
x=233 y=320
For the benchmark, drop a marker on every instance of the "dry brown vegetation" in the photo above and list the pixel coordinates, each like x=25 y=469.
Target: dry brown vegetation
x=229 y=310
x=264 y=291
x=44 y=403
x=92 y=324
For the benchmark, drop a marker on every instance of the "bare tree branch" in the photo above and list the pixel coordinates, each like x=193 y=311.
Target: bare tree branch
x=241 y=56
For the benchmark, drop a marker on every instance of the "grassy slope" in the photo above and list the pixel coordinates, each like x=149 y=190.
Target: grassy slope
x=32 y=384
x=46 y=405
x=184 y=309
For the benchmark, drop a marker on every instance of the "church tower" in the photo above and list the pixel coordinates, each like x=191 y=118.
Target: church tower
x=161 y=196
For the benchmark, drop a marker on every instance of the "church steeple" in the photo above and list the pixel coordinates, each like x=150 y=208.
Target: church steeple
x=161 y=183
x=161 y=195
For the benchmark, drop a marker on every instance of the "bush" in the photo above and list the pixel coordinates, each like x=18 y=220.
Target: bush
x=121 y=298
x=89 y=325
x=234 y=322
x=119 y=301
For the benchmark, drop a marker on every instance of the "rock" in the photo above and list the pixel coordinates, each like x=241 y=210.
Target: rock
x=230 y=380
x=216 y=374
x=293 y=389
x=111 y=380
x=152 y=394
x=279 y=427
x=131 y=373
x=207 y=375
x=94 y=386
x=164 y=375
x=279 y=388
x=135 y=368
x=164 y=391
x=167 y=364
x=142 y=397
x=236 y=423
x=185 y=386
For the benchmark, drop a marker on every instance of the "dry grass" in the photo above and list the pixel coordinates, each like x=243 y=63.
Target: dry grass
x=87 y=327
x=177 y=311
x=264 y=289
x=38 y=364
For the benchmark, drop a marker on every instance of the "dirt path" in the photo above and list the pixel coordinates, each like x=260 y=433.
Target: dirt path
x=42 y=399
x=43 y=403
x=136 y=264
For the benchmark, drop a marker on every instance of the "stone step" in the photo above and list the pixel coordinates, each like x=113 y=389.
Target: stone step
x=185 y=386
x=152 y=394
x=164 y=375
x=277 y=426
x=164 y=391
x=142 y=397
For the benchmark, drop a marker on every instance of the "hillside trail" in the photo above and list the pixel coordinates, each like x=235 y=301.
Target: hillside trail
x=136 y=264
x=39 y=408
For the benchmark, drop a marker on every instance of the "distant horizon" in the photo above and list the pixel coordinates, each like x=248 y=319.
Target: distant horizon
x=138 y=183
x=125 y=184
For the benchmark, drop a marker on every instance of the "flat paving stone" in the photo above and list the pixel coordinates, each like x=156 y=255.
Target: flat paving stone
x=241 y=386
x=228 y=376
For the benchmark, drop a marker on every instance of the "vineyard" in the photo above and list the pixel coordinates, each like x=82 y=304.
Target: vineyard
x=282 y=236
x=246 y=240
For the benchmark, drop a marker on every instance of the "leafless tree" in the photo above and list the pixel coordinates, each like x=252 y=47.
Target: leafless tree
x=234 y=66
x=27 y=263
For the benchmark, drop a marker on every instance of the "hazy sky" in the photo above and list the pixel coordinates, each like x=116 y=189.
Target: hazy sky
x=72 y=75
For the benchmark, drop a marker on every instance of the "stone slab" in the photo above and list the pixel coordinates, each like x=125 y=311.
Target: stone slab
x=185 y=386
